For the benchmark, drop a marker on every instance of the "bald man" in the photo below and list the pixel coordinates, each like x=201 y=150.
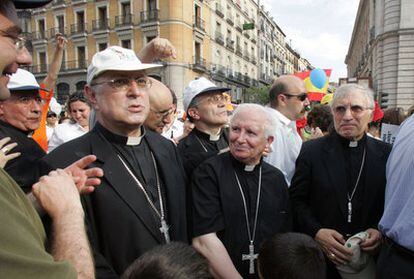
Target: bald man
x=288 y=98
x=162 y=110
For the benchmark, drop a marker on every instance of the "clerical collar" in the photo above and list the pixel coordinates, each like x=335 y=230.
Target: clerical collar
x=242 y=166
x=115 y=138
x=206 y=136
x=351 y=144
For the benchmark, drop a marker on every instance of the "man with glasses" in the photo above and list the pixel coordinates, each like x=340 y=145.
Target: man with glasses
x=162 y=110
x=20 y=115
x=205 y=105
x=288 y=100
x=22 y=237
x=141 y=201
x=338 y=187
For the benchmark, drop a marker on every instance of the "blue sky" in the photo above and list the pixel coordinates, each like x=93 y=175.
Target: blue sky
x=319 y=29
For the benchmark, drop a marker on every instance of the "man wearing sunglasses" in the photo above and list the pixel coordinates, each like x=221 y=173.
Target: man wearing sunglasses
x=339 y=183
x=162 y=110
x=141 y=201
x=288 y=100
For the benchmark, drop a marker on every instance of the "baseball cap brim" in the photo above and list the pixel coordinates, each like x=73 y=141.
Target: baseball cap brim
x=26 y=88
x=126 y=68
x=30 y=4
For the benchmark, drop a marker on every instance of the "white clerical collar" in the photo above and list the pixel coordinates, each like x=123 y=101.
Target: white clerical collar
x=136 y=140
x=215 y=137
x=353 y=143
x=249 y=168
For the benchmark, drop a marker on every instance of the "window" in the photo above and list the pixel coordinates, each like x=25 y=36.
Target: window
x=80 y=85
x=102 y=46
x=42 y=62
x=60 y=22
x=81 y=56
x=152 y=5
x=126 y=44
x=62 y=92
x=80 y=19
x=150 y=38
x=41 y=26
x=126 y=12
x=197 y=50
x=102 y=17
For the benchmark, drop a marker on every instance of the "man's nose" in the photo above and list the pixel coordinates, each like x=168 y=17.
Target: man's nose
x=24 y=57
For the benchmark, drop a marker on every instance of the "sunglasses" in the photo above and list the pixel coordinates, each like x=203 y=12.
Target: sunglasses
x=302 y=97
x=51 y=115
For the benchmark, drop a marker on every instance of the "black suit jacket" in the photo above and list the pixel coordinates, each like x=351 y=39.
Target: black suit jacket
x=319 y=192
x=121 y=225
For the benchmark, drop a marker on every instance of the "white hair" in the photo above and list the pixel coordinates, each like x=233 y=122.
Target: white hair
x=346 y=89
x=269 y=123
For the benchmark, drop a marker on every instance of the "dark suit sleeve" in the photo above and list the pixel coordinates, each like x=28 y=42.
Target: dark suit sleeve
x=300 y=189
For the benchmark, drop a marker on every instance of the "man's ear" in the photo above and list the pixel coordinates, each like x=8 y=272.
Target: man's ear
x=281 y=100
x=193 y=113
x=91 y=95
x=270 y=139
x=1 y=108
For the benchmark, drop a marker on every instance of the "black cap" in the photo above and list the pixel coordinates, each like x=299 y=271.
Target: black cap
x=30 y=4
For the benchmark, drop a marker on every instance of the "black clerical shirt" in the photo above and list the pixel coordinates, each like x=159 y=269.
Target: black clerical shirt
x=199 y=146
x=218 y=205
x=352 y=156
x=140 y=161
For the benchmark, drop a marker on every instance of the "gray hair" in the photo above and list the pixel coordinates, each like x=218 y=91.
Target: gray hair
x=346 y=89
x=269 y=123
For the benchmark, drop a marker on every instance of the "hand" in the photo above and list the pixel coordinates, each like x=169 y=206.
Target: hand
x=372 y=242
x=5 y=148
x=158 y=48
x=316 y=133
x=85 y=179
x=332 y=243
x=60 y=41
x=57 y=194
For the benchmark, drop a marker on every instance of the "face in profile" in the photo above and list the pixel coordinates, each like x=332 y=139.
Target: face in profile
x=211 y=108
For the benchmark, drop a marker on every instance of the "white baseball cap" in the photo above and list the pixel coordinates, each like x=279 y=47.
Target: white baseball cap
x=23 y=80
x=197 y=87
x=116 y=58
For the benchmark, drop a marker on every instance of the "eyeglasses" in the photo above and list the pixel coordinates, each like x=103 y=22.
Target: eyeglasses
x=163 y=114
x=125 y=83
x=355 y=109
x=302 y=97
x=19 y=41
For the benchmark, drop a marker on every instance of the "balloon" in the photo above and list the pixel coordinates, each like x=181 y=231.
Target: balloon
x=318 y=78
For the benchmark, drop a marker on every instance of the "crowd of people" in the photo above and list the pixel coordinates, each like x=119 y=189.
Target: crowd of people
x=130 y=187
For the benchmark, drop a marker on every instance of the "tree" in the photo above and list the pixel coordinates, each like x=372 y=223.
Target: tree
x=259 y=95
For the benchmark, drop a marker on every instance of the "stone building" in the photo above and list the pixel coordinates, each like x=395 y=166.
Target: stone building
x=382 y=49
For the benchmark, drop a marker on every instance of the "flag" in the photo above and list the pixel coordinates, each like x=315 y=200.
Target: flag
x=314 y=93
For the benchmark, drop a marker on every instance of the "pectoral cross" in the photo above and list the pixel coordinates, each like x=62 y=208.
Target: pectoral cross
x=164 y=230
x=349 y=211
x=250 y=257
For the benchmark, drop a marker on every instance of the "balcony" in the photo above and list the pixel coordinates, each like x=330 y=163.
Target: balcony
x=57 y=30
x=100 y=26
x=78 y=30
x=219 y=38
x=239 y=27
x=39 y=38
x=74 y=66
x=199 y=23
x=230 y=74
x=246 y=79
x=230 y=44
x=230 y=19
x=219 y=10
x=253 y=59
x=218 y=72
x=254 y=39
x=239 y=50
x=149 y=16
x=78 y=1
x=246 y=55
x=126 y=20
x=246 y=34
x=200 y=64
x=36 y=69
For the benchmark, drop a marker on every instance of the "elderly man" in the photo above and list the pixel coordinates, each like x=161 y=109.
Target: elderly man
x=338 y=187
x=22 y=237
x=205 y=105
x=161 y=107
x=288 y=100
x=20 y=115
x=141 y=202
x=239 y=200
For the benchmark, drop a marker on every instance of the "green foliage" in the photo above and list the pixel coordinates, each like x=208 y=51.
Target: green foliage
x=258 y=95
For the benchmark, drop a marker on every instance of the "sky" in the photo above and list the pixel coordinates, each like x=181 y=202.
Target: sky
x=320 y=30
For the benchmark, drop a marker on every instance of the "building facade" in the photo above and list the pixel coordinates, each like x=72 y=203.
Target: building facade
x=382 y=49
x=211 y=38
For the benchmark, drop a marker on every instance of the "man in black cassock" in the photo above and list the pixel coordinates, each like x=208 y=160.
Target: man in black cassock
x=205 y=105
x=141 y=202
x=339 y=183
x=238 y=199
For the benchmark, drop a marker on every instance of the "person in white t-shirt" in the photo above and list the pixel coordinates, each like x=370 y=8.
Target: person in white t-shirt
x=79 y=109
x=288 y=100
